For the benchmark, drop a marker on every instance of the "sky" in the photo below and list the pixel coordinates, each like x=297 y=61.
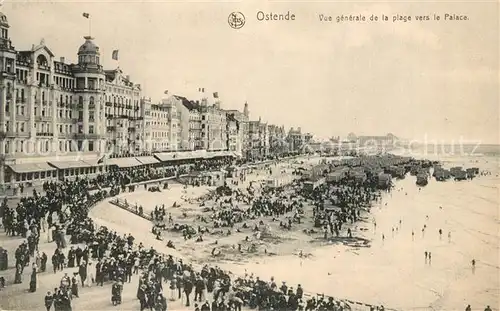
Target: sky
x=423 y=80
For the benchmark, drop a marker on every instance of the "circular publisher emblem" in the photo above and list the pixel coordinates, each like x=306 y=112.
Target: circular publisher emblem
x=236 y=20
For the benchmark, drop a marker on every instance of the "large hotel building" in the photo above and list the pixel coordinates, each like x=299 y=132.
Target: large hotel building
x=57 y=119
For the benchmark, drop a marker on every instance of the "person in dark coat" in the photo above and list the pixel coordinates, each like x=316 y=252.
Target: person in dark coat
x=79 y=255
x=82 y=271
x=180 y=286
x=71 y=258
x=188 y=288
x=141 y=295
x=74 y=286
x=49 y=300
x=55 y=262
x=18 y=276
x=43 y=262
x=199 y=288
x=34 y=279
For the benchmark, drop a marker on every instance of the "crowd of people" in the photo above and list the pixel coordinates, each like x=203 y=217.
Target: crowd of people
x=110 y=258
x=64 y=208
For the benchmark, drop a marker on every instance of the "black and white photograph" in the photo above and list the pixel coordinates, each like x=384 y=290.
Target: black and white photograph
x=284 y=155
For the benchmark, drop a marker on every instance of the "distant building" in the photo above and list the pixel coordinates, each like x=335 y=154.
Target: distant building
x=298 y=140
x=386 y=140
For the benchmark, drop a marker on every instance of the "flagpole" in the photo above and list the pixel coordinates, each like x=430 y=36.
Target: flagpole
x=90 y=26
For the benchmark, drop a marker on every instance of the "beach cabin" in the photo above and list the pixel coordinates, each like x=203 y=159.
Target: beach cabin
x=359 y=177
x=460 y=175
x=471 y=172
x=384 y=181
x=422 y=179
x=396 y=171
x=442 y=174
x=313 y=183
x=455 y=170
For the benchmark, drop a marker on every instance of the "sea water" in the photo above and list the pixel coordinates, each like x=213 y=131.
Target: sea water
x=394 y=272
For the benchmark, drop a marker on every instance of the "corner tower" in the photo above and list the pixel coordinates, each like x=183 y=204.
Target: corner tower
x=89 y=91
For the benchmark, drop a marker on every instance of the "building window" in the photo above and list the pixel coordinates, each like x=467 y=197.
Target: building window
x=91 y=129
x=91 y=146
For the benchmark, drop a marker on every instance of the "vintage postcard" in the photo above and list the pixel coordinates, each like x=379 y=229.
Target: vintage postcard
x=249 y=155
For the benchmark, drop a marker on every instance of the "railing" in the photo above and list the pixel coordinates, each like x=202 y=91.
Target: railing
x=43 y=67
x=126 y=206
x=44 y=134
x=85 y=136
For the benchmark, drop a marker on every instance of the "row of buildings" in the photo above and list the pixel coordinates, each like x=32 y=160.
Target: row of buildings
x=53 y=111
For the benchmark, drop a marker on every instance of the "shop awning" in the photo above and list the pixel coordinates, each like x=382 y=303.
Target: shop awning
x=173 y=156
x=147 y=160
x=165 y=156
x=123 y=162
x=31 y=167
x=69 y=164
x=95 y=162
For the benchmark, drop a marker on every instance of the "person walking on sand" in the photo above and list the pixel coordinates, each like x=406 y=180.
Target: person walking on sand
x=430 y=258
x=468 y=308
x=413 y=235
x=426 y=255
x=449 y=237
x=440 y=233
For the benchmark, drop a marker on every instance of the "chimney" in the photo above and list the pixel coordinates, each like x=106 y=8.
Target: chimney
x=128 y=77
x=62 y=59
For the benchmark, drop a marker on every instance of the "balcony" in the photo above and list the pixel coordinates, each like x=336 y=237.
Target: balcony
x=44 y=134
x=43 y=67
x=43 y=118
x=85 y=136
x=111 y=128
x=109 y=104
x=91 y=106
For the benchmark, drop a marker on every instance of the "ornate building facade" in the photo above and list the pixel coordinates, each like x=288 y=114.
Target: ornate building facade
x=52 y=111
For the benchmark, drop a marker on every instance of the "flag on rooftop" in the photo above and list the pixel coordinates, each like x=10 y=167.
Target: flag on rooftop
x=166 y=92
x=86 y=15
x=115 y=55
x=216 y=94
